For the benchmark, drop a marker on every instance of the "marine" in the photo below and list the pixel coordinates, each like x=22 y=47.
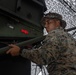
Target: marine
x=58 y=50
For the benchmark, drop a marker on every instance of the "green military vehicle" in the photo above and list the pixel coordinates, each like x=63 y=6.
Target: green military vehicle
x=19 y=24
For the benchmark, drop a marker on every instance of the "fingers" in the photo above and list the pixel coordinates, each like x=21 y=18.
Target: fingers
x=12 y=45
x=14 y=50
x=8 y=51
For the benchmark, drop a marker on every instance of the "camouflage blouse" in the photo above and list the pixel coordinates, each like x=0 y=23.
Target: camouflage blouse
x=58 y=52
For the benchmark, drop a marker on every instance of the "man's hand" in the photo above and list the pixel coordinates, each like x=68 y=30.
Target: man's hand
x=14 y=50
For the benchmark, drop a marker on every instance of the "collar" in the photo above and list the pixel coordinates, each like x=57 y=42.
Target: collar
x=58 y=28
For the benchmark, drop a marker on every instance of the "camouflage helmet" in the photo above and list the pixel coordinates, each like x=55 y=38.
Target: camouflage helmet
x=54 y=16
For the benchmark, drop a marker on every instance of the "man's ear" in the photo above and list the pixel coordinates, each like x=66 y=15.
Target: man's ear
x=57 y=23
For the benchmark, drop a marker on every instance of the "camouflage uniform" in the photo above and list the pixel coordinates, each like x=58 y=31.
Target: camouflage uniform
x=58 y=52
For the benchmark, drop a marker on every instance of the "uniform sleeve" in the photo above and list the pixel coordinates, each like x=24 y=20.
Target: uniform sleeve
x=37 y=56
x=43 y=54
